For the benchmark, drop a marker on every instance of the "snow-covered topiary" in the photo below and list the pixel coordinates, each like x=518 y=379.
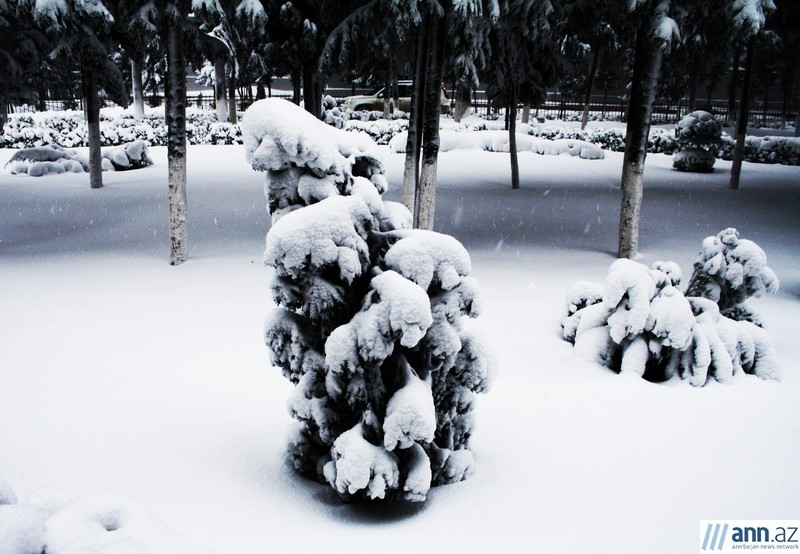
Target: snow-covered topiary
x=698 y=135
x=639 y=322
x=370 y=326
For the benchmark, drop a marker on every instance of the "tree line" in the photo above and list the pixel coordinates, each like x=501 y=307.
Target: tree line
x=515 y=49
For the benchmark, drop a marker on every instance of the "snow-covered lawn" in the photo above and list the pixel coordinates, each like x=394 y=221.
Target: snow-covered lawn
x=120 y=373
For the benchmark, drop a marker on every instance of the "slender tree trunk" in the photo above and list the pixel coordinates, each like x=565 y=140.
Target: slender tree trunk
x=788 y=79
x=646 y=68
x=91 y=105
x=387 y=100
x=220 y=91
x=744 y=115
x=3 y=113
x=312 y=97
x=526 y=113
x=138 y=88
x=589 y=86
x=232 y=114
x=512 y=136
x=414 y=140
x=694 y=71
x=463 y=102
x=175 y=93
x=430 y=127
x=737 y=58
x=261 y=93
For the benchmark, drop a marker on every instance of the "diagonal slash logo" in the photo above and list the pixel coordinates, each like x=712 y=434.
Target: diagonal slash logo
x=715 y=536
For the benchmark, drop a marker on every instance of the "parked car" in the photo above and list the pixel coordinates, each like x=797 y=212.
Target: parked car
x=374 y=101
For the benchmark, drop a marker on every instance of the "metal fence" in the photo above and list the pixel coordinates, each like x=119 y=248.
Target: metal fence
x=556 y=106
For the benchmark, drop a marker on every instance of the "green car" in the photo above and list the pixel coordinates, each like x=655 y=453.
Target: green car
x=374 y=101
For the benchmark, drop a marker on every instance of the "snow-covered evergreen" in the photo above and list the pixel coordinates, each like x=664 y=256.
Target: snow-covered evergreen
x=370 y=327
x=640 y=322
x=698 y=135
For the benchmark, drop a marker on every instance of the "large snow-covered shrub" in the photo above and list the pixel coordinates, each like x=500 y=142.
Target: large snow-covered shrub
x=639 y=321
x=53 y=159
x=371 y=326
x=698 y=135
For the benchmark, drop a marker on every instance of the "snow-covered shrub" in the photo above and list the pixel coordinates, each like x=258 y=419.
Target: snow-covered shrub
x=54 y=159
x=331 y=114
x=370 y=326
x=694 y=160
x=639 y=322
x=698 y=135
x=728 y=271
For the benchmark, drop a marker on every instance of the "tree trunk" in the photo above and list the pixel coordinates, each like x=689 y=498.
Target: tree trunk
x=232 y=115
x=175 y=93
x=646 y=68
x=430 y=127
x=463 y=102
x=744 y=115
x=387 y=101
x=220 y=91
x=138 y=88
x=261 y=93
x=526 y=113
x=589 y=86
x=297 y=85
x=414 y=140
x=512 y=136
x=91 y=106
x=737 y=57
x=312 y=97
x=694 y=70
x=3 y=113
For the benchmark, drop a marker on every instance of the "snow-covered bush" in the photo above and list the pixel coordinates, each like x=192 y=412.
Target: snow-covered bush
x=728 y=271
x=370 y=327
x=331 y=114
x=698 y=135
x=53 y=159
x=639 y=322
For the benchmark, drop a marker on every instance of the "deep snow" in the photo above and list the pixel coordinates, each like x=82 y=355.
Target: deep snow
x=121 y=373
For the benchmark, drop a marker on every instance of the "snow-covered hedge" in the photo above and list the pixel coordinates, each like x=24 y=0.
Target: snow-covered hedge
x=371 y=325
x=68 y=129
x=639 y=322
x=698 y=135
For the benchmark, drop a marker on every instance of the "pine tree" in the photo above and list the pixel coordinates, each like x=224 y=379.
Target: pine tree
x=370 y=327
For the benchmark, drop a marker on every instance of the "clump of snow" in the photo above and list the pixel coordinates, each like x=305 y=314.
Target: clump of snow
x=410 y=415
x=641 y=323
x=357 y=465
x=429 y=258
x=54 y=160
x=21 y=529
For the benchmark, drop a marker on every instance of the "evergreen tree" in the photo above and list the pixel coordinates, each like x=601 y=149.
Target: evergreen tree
x=370 y=328
x=82 y=29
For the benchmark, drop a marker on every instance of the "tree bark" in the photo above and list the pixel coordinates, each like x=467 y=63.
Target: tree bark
x=737 y=57
x=138 y=88
x=526 y=113
x=646 y=68
x=589 y=86
x=744 y=115
x=176 y=132
x=91 y=106
x=220 y=91
x=694 y=70
x=430 y=127
x=463 y=102
x=312 y=92
x=414 y=140
x=297 y=79
x=512 y=137
x=3 y=113
x=232 y=114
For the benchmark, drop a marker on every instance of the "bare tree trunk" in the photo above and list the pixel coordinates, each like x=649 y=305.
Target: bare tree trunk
x=463 y=102
x=312 y=91
x=175 y=93
x=232 y=115
x=744 y=115
x=414 y=140
x=694 y=70
x=430 y=128
x=92 y=112
x=512 y=136
x=589 y=86
x=526 y=113
x=737 y=58
x=646 y=68
x=138 y=88
x=387 y=100
x=220 y=91
x=3 y=113
x=297 y=80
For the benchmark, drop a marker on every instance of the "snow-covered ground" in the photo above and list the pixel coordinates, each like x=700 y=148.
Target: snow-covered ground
x=120 y=373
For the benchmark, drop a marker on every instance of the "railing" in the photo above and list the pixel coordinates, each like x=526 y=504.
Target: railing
x=555 y=106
